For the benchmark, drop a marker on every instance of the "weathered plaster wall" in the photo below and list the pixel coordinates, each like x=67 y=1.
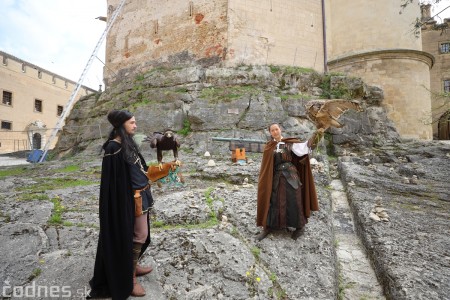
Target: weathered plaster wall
x=364 y=26
x=370 y=39
x=161 y=31
x=279 y=32
x=179 y=32
x=404 y=77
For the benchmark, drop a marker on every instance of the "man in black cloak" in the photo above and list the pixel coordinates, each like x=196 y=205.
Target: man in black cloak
x=124 y=233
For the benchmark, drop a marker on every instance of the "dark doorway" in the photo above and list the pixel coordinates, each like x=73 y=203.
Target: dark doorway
x=444 y=127
x=37 y=141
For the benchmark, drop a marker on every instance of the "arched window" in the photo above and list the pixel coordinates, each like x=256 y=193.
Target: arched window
x=37 y=141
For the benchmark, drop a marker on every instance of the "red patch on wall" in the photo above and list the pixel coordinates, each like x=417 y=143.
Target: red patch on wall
x=214 y=51
x=127 y=54
x=198 y=18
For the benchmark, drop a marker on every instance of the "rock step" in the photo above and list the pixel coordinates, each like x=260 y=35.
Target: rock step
x=357 y=279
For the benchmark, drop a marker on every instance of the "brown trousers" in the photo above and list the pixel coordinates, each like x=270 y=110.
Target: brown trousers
x=140 y=229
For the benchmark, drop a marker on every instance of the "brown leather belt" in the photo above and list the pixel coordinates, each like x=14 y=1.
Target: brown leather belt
x=138 y=200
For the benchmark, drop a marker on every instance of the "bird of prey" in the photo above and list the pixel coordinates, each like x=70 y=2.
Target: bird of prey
x=325 y=113
x=164 y=142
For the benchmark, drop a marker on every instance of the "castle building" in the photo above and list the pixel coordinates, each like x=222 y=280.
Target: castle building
x=436 y=41
x=32 y=101
x=326 y=35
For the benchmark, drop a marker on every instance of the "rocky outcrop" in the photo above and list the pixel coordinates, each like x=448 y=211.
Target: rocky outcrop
x=227 y=102
x=203 y=233
x=409 y=244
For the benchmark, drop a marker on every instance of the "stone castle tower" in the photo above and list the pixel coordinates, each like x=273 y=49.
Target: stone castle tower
x=378 y=47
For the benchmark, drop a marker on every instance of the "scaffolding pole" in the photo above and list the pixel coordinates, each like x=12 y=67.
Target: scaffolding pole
x=69 y=104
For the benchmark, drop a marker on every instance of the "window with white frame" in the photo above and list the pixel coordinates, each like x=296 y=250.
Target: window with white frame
x=447 y=85
x=444 y=47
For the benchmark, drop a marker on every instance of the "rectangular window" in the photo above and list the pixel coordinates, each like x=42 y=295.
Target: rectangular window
x=6 y=125
x=5 y=61
x=37 y=105
x=59 y=110
x=39 y=74
x=447 y=86
x=445 y=48
x=24 y=69
x=7 y=98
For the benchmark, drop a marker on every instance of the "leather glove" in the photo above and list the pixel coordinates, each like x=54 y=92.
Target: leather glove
x=315 y=138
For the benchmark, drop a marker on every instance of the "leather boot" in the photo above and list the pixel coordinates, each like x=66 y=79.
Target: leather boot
x=263 y=234
x=138 y=290
x=297 y=233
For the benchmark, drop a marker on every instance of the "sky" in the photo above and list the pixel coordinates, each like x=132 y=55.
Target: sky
x=56 y=35
x=440 y=6
x=60 y=35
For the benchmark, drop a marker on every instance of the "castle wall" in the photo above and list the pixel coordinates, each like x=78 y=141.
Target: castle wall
x=233 y=32
x=26 y=83
x=278 y=32
x=377 y=37
x=431 y=41
x=403 y=77
x=364 y=44
x=364 y=26
x=149 y=32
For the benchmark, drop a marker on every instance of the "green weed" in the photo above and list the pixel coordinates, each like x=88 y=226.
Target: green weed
x=186 y=128
x=58 y=210
x=256 y=252
x=12 y=172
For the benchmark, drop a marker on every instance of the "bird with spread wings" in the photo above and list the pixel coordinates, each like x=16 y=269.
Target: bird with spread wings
x=325 y=113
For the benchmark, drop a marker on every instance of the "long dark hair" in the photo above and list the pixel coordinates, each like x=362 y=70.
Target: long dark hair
x=129 y=146
x=117 y=118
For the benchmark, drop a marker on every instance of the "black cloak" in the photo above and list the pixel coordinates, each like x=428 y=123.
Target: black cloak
x=113 y=271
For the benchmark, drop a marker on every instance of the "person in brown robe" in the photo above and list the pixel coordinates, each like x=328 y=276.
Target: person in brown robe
x=286 y=190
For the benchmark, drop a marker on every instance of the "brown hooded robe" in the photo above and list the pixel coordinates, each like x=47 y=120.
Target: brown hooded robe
x=309 y=196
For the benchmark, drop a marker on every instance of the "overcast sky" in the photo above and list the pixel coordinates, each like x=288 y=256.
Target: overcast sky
x=57 y=35
x=60 y=35
x=440 y=6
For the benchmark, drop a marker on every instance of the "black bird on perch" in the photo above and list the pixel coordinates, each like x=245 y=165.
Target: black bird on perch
x=164 y=142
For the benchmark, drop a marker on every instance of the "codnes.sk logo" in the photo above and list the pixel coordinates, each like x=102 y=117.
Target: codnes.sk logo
x=32 y=291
